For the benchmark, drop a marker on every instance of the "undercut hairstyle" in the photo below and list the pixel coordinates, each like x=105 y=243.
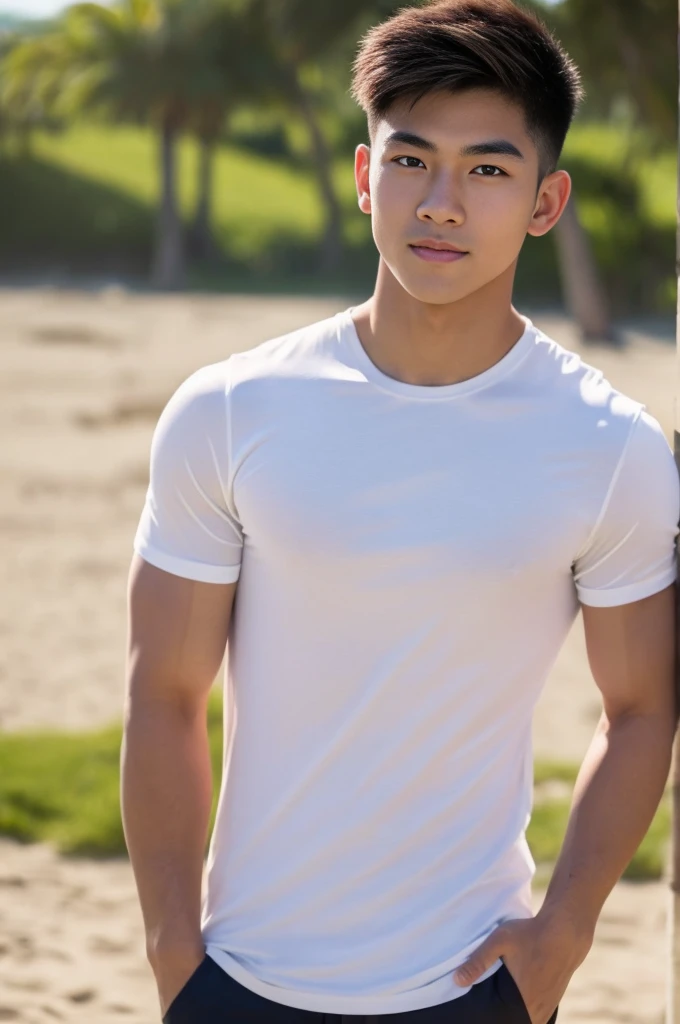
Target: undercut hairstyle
x=457 y=45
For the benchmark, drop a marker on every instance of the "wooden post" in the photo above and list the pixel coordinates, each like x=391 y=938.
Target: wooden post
x=673 y=1001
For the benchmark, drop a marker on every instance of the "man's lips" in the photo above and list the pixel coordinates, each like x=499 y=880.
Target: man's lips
x=437 y=255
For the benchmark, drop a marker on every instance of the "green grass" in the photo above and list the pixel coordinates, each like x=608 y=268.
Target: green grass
x=86 y=198
x=626 y=196
x=549 y=823
x=256 y=200
x=610 y=149
x=64 y=788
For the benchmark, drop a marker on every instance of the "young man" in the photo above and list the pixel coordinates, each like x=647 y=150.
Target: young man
x=415 y=497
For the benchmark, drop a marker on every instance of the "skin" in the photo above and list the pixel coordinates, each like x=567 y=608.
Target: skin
x=431 y=324
x=631 y=650
x=177 y=633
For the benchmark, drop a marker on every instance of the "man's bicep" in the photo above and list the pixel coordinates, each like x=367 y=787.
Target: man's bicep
x=631 y=651
x=177 y=633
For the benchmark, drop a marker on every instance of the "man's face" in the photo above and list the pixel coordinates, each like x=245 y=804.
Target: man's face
x=462 y=170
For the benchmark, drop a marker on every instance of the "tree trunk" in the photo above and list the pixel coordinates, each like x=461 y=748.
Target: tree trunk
x=202 y=242
x=332 y=249
x=581 y=285
x=168 y=270
x=25 y=142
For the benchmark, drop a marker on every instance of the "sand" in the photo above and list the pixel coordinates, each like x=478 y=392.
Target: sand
x=83 y=377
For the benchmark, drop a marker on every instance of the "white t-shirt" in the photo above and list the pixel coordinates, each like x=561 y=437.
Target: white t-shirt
x=410 y=560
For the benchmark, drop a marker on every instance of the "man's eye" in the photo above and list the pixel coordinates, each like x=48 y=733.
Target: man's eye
x=398 y=160
x=492 y=168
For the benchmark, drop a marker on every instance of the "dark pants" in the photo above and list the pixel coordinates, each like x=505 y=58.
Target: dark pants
x=211 y=996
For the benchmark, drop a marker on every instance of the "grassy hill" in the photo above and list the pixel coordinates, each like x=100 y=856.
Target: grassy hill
x=85 y=199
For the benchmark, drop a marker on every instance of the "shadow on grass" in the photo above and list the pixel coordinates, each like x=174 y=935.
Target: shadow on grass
x=54 y=219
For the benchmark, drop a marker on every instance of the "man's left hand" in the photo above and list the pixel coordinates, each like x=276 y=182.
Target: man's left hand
x=540 y=953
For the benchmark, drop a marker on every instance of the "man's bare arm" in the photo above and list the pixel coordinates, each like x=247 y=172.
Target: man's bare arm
x=631 y=650
x=177 y=633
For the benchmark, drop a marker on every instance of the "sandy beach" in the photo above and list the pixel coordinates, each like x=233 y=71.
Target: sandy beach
x=83 y=378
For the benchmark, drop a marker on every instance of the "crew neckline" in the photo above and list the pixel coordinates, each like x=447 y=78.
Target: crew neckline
x=433 y=392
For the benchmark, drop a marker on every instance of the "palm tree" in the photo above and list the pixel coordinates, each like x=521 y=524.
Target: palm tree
x=625 y=49
x=231 y=66
x=583 y=292
x=209 y=121
x=133 y=62
x=27 y=88
x=262 y=51
x=130 y=62
x=302 y=35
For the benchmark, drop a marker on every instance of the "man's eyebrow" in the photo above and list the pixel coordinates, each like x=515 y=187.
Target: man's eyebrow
x=494 y=147
x=409 y=139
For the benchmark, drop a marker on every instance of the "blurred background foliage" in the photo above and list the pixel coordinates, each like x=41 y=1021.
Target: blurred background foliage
x=209 y=144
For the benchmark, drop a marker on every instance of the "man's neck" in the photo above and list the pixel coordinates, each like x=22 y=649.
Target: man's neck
x=426 y=344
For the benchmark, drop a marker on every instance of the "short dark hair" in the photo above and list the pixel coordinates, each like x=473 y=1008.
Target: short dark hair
x=457 y=45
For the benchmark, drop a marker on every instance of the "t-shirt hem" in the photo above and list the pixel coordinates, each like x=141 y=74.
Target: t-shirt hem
x=201 y=572
x=626 y=595
x=434 y=994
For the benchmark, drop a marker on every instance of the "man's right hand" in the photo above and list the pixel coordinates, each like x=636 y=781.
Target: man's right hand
x=172 y=971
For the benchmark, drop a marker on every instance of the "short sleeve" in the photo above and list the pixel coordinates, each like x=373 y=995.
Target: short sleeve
x=631 y=553
x=188 y=525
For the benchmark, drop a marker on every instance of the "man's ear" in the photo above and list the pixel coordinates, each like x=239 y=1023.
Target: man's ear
x=553 y=196
x=362 y=168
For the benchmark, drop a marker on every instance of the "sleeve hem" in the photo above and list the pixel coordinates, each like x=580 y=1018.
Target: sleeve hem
x=199 y=571
x=626 y=595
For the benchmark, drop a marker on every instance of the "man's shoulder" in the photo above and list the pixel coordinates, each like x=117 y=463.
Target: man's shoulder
x=286 y=355
x=579 y=393
x=202 y=394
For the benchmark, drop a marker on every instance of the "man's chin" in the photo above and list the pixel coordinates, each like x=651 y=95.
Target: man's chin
x=433 y=293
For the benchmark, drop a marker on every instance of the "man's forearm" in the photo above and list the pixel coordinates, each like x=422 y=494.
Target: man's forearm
x=166 y=793
x=618 y=789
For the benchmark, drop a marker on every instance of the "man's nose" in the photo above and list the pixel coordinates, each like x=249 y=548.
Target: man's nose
x=443 y=203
